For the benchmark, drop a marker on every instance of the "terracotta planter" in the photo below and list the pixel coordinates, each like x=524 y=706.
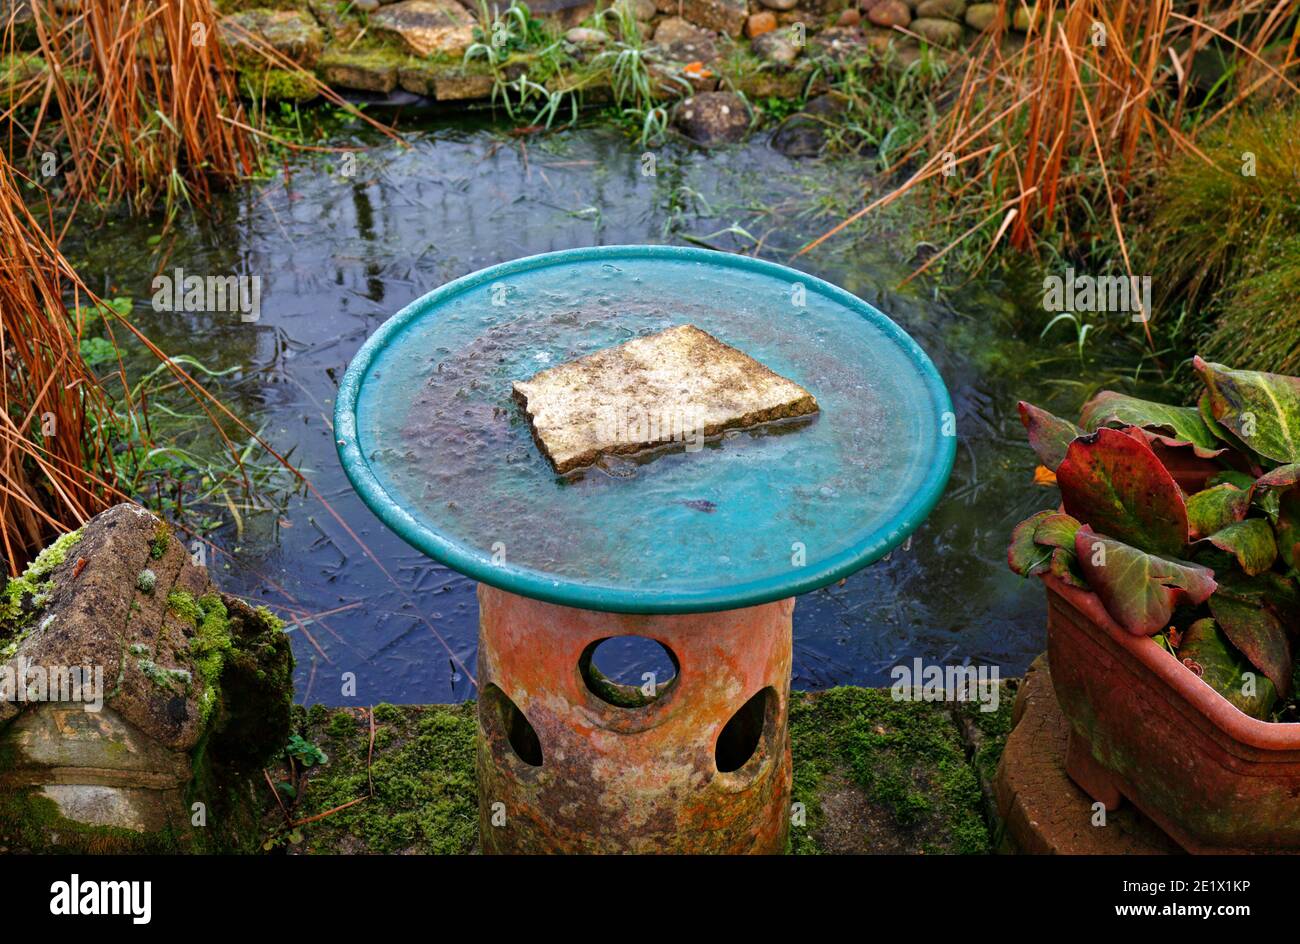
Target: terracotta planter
x=1145 y=728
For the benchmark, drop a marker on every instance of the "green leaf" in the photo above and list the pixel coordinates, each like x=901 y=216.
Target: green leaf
x=96 y=351
x=1215 y=508
x=1065 y=565
x=1207 y=416
x=1049 y=435
x=1231 y=477
x=1259 y=635
x=1057 y=530
x=1278 y=593
x=1183 y=424
x=1114 y=482
x=1139 y=590
x=1262 y=410
x=1250 y=541
x=1287 y=527
x=1206 y=652
x=1025 y=557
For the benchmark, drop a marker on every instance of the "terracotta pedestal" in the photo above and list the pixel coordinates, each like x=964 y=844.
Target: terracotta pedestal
x=570 y=762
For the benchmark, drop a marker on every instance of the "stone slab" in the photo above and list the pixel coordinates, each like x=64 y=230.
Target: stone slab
x=1044 y=812
x=678 y=385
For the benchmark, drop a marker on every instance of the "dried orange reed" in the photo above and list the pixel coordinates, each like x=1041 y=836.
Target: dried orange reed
x=136 y=94
x=1047 y=142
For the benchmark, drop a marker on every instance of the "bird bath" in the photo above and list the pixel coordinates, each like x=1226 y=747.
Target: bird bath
x=700 y=549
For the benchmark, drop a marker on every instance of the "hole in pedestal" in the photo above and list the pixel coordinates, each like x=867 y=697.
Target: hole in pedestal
x=741 y=735
x=520 y=735
x=628 y=671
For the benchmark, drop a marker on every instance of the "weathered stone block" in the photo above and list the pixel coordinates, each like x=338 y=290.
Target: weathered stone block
x=118 y=660
x=591 y=407
x=426 y=27
x=292 y=33
x=725 y=16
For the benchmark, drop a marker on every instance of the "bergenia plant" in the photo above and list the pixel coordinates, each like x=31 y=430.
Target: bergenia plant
x=1185 y=522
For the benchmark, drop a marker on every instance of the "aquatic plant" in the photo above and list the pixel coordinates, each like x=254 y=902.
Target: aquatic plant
x=1185 y=522
x=1044 y=145
x=1222 y=239
x=74 y=440
x=153 y=112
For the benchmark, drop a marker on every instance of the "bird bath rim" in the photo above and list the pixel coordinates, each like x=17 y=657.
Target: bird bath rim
x=530 y=582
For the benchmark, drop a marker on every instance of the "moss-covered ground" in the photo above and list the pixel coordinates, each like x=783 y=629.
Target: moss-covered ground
x=872 y=775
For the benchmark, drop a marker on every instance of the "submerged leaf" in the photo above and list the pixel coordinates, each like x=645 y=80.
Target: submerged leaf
x=1115 y=483
x=1182 y=424
x=1258 y=634
x=1225 y=670
x=1139 y=590
x=1215 y=508
x=1262 y=410
x=1049 y=435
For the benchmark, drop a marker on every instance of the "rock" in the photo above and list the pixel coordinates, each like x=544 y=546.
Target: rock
x=849 y=17
x=776 y=48
x=841 y=44
x=426 y=27
x=681 y=41
x=112 y=697
x=725 y=16
x=562 y=13
x=713 y=118
x=444 y=82
x=941 y=10
x=780 y=6
x=1023 y=17
x=982 y=16
x=458 y=86
x=804 y=134
x=759 y=23
x=365 y=6
x=581 y=36
x=643 y=11
x=673 y=81
x=364 y=70
x=340 y=27
x=677 y=30
x=292 y=33
x=938 y=32
x=890 y=13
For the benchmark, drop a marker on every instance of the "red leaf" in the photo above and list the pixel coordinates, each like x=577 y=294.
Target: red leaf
x=1113 y=482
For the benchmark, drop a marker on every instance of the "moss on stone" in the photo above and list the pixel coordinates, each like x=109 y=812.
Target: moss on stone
x=162 y=539
x=22 y=597
x=907 y=761
x=880 y=775
x=425 y=790
x=30 y=822
x=277 y=85
x=211 y=643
